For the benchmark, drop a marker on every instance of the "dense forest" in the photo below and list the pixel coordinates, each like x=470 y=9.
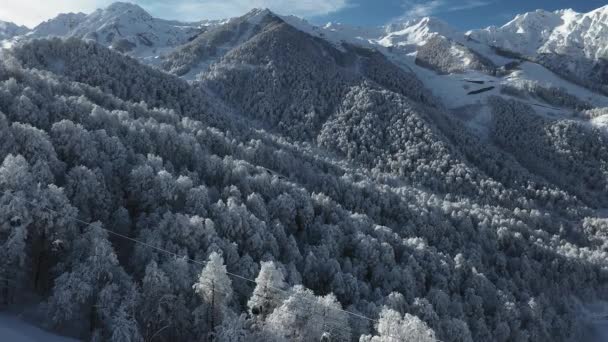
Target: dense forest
x=298 y=191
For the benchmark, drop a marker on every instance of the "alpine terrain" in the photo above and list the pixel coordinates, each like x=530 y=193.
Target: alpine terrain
x=261 y=178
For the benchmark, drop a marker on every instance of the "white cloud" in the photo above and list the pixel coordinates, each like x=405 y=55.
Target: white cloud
x=417 y=9
x=468 y=5
x=32 y=12
x=425 y=9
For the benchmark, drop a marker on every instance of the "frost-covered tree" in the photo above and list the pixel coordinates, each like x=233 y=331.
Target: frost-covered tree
x=86 y=189
x=233 y=329
x=156 y=307
x=94 y=287
x=124 y=327
x=304 y=316
x=215 y=289
x=392 y=326
x=269 y=292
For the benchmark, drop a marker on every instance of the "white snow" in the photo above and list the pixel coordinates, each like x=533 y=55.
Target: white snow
x=13 y=329
x=59 y=26
x=535 y=72
x=597 y=316
x=336 y=33
x=253 y=19
x=416 y=32
x=600 y=122
x=453 y=89
x=562 y=32
x=9 y=30
x=120 y=21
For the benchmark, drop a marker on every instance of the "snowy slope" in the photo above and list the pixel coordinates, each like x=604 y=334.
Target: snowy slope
x=122 y=26
x=337 y=33
x=453 y=65
x=560 y=32
x=13 y=329
x=525 y=34
x=59 y=26
x=9 y=30
x=529 y=71
x=403 y=42
x=416 y=32
x=128 y=27
x=191 y=59
x=396 y=34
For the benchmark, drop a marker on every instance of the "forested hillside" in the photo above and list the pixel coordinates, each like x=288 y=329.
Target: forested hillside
x=298 y=191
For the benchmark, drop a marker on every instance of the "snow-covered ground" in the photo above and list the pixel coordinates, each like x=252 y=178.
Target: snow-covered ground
x=535 y=72
x=598 y=327
x=13 y=329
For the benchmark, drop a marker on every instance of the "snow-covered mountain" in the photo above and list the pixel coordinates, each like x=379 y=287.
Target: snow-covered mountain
x=125 y=27
x=416 y=31
x=461 y=69
x=574 y=45
x=462 y=72
x=60 y=26
x=9 y=30
x=191 y=59
x=563 y=32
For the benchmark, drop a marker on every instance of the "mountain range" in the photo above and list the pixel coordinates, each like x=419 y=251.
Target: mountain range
x=406 y=182
x=562 y=49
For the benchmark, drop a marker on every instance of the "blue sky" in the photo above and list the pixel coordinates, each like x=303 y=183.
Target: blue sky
x=463 y=14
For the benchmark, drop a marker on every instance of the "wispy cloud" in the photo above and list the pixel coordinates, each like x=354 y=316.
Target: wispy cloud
x=32 y=12
x=418 y=8
x=468 y=5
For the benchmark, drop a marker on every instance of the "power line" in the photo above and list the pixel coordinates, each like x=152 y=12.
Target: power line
x=201 y=263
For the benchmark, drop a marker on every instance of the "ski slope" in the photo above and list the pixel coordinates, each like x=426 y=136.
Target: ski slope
x=13 y=329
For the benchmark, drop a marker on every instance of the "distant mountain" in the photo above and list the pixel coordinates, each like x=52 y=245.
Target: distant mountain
x=416 y=31
x=60 y=26
x=9 y=30
x=194 y=57
x=560 y=32
x=125 y=27
x=572 y=44
x=528 y=56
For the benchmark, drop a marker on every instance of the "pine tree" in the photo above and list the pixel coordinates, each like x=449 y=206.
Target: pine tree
x=269 y=290
x=215 y=289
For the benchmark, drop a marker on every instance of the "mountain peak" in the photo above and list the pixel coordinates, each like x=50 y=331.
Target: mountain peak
x=61 y=25
x=257 y=14
x=123 y=7
x=417 y=31
x=564 y=32
x=601 y=12
x=9 y=30
x=430 y=24
x=123 y=26
x=257 y=11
